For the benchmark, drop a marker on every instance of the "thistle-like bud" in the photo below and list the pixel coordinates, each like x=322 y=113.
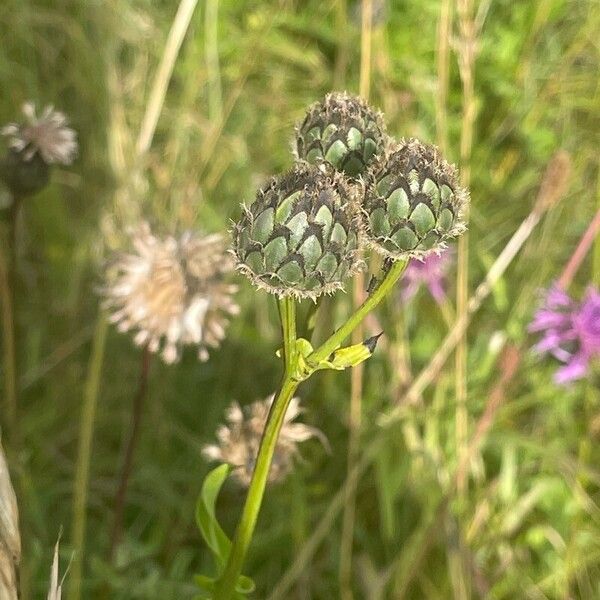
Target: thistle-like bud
x=299 y=238
x=413 y=202
x=343 y=131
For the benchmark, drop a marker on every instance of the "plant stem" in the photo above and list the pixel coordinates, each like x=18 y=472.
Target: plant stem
x=287 y=313
x=211 y=51
x=8 y=339
x=243 y=535
x=82 y=469
x=136 y=417
x=380 y=292
x=225 y=587
x=8 y=281
x=583 y=247
x=357 y=373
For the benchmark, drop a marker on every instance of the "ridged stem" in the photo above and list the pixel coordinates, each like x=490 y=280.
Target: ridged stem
x=357 y=373
x=379 y=293
x=225 y=587
x=82 y=468
x=132 y=439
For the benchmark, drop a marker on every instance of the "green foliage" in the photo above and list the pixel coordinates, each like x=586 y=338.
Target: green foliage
x=213 y=534
x=528 y=526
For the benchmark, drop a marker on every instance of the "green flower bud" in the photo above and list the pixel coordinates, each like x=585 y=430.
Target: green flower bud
x=343 y=131
x=299 y=238
x=24 y=177
x=413 y=202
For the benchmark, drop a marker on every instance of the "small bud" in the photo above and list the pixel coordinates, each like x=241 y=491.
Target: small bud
x=371 y=343
x=24 y=178
x=413 y=202
x=299 y=238
x=341 y=130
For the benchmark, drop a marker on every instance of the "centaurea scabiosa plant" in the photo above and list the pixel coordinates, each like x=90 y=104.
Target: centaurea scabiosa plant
x=170 y=292
x=351 y=189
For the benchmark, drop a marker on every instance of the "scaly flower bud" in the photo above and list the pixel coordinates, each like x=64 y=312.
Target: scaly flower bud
x=413 y=202
x=298 y=238
x=341 y=130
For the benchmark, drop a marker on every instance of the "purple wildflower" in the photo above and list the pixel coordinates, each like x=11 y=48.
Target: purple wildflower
x=571 y=331
x=430 y=272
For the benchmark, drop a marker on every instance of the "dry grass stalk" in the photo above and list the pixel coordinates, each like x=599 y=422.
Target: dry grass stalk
x=10 y=539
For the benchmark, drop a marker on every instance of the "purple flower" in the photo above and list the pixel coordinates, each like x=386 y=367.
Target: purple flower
x=430 y=272
x=571 y=331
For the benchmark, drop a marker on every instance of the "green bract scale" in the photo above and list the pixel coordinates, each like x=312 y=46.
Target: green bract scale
x=343 y=131
x=298 y=238
x=413 y=202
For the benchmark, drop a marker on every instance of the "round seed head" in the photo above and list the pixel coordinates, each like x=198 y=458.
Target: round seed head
x=172 y=292
x=299 y=238
x=413 y=202
x=47 y=136
x=341 y=130
x=239 y=440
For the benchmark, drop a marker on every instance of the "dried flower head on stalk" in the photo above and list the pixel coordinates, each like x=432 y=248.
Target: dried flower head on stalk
x=47 y=135
x=34 y=146
x=239 y=440
x=571 y=331
x=172 y=291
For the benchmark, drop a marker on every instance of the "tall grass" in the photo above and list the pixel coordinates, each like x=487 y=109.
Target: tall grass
x=237 y=77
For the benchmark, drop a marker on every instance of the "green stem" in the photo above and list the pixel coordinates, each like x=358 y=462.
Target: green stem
x=226 y=584
x=380 y=292
x=243 y=536
x=287 y=313
x=86 y=434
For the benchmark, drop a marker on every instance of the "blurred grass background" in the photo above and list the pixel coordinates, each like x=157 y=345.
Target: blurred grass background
x=528 y=525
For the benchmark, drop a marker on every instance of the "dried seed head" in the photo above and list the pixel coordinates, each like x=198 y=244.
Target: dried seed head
x=47 y=136
x=172 y=292
x=413 y=202
x=299 y=238
x=341 y=130
x=239 y=440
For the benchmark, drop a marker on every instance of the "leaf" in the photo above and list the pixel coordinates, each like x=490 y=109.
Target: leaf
x=206 y=584
x=214 y=536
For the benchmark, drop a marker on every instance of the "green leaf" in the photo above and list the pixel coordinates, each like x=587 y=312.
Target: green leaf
x=206 y=584
x=211 y=531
